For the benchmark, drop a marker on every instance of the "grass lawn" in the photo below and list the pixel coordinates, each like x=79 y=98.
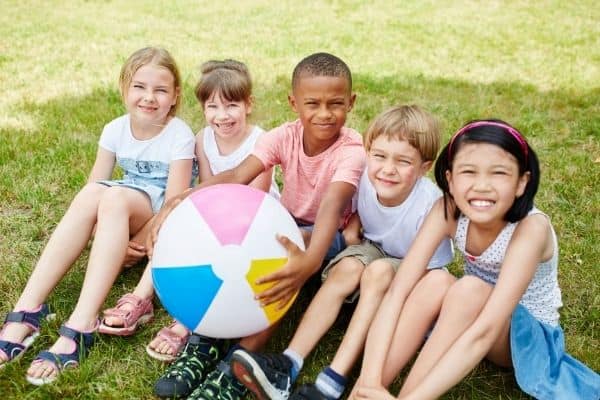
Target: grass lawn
x=534 y=64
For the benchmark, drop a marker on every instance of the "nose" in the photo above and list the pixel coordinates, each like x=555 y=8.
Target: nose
x=481 y=183
x=324 y=112
x=388 y=167
x=149 y=96
x=221 y=113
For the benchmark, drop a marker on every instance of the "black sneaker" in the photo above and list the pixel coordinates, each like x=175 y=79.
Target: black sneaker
x=199 y=356
x=268 y=376
x=308 y=391
x=219 y=385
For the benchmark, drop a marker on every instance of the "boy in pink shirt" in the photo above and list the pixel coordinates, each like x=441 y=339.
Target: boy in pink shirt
x=322 y=162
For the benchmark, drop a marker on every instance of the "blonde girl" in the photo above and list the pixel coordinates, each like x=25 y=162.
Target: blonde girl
x=155 y=150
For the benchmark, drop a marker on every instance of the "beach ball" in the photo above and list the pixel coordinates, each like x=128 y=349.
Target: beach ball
x=209 y=252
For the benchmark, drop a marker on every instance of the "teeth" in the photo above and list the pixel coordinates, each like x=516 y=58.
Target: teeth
x=481 y=203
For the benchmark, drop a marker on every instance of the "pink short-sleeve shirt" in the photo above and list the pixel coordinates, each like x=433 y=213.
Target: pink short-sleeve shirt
x=306 y=179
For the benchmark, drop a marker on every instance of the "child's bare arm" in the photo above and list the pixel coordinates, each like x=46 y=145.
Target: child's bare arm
x=103 y=166
x=352 y=231
x=263 y=181
x=302 y=264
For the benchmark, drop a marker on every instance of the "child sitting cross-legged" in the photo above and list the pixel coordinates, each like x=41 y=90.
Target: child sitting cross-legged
x=394 y=197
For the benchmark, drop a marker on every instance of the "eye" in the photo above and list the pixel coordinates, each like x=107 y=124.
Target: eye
x=138 y=86
x=161 y=90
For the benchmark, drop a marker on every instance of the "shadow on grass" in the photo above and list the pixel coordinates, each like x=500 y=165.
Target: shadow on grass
x=42 y=169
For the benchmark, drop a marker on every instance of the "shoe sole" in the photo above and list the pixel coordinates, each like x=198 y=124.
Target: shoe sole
x=122 y=331
x=249 y=373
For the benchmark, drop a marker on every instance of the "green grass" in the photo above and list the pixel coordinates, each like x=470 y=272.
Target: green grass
x=535 y=64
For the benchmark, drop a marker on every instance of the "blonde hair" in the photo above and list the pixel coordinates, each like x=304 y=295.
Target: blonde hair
x=150 y=56
x=410 y=123
x=229 y=78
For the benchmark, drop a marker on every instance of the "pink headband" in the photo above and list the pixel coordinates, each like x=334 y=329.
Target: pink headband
x=514 y=133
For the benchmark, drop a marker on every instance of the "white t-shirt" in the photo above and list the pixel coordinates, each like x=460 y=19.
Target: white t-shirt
x=395 y=228
x=219 y=163
x=145 y=163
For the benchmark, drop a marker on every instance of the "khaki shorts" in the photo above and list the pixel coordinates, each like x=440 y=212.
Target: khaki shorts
x=366 y=253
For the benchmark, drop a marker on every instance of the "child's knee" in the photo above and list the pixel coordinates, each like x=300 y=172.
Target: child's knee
x=377 y=276
x=433 y=287
x=469 y=292
x=436 y=281
x=347 y=271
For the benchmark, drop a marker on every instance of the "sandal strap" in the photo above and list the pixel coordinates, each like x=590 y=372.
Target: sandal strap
x=31 y=318
x=11 y=349
x=80 y=338
x=140 y=307
x=60 y=361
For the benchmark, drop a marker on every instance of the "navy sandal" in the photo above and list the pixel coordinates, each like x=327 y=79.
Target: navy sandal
x=83 y=342
x=12 y=351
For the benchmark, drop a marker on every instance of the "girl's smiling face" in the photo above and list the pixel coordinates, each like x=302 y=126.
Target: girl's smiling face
x=484 y=182
x=227 y=118
x=150 y=95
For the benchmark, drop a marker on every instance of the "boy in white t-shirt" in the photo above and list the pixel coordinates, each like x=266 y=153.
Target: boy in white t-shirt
x=394 y=196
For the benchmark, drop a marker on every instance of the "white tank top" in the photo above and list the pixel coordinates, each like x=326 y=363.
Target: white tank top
x=542 y=297
x=219 y=163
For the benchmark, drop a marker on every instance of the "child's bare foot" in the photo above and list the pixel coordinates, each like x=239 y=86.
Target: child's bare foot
x=167 y=343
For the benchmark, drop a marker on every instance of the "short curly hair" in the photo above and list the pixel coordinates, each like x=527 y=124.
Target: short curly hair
x=322 y=64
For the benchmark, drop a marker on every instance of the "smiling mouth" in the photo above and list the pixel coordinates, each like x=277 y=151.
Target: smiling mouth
x=481 y=203
x=225 y=126
x=387 y=181
x=147 y=108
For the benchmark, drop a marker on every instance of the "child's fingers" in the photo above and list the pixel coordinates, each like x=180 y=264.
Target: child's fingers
x=273 y=276
x=289 y=246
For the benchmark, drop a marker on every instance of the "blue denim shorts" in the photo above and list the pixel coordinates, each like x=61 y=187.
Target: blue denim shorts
x=156 y=194
x=338 y=243
x=542 y=367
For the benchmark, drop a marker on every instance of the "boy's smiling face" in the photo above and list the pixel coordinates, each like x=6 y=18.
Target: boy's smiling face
x=393 y=167
x=321 y=103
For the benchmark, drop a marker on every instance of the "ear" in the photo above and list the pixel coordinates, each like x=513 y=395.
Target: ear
x=351 y=103
x=425 y=167
x=449 y=180
x=177 y=94
x=522 y=184
x=292 y=101
x=249 y=105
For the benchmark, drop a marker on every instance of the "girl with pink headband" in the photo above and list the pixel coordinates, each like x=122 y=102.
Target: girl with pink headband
x=504 y=308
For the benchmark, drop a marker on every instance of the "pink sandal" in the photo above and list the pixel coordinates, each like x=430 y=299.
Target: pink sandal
x=174 y=341
x=142 y=312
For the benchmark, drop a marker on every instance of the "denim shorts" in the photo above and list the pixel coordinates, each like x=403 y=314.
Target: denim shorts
x=338 y=243
x=542 y=367
x=155 y=194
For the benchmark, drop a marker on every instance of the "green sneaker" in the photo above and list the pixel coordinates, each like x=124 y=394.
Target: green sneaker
x=199 y=356
x=219 y=385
